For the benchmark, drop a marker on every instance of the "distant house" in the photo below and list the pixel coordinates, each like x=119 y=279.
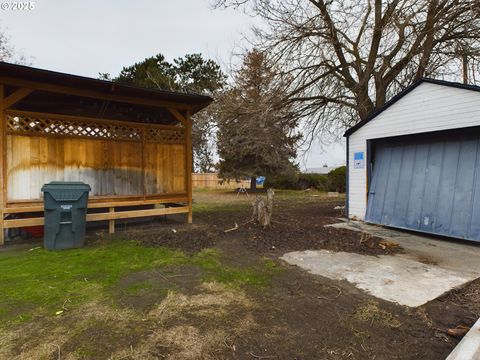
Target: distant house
x=324 y=170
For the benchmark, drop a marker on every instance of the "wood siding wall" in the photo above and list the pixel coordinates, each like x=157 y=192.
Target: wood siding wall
x=110 y=167
x=428 y=108
x=212 y=181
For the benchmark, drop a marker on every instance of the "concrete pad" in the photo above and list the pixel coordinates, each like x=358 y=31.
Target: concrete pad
x=429 y=266
x=393 y=278
x=456 y=255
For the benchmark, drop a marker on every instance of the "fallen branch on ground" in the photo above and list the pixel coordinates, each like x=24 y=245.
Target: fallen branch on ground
x=336 y=297
x=58 y=347
x=262 y=357
x=458 y=331
x=236 y=227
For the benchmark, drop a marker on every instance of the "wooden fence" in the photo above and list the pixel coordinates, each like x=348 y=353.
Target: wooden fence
x=212 y=181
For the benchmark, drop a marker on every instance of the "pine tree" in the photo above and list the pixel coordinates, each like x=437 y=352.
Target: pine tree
x=256 y=130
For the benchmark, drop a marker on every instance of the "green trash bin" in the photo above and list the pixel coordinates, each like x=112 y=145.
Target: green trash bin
x=65 y=214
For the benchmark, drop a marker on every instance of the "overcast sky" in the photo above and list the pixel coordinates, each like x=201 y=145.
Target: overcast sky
x=85 y=37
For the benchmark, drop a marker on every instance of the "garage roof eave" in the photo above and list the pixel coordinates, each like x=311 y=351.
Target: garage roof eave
x=401 y=94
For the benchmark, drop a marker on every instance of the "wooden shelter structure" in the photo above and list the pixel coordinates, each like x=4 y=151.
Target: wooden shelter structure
x=132 y=145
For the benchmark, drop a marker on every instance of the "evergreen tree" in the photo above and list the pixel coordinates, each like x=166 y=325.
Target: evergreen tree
x=192 y=74
x=256 y=132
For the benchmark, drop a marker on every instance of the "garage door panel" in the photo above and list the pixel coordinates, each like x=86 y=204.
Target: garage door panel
x=415 y=194
x=474 y=223
x=392 y=184
x=404 y=184
x=447 y=188
x=379 y=184
x=430 y=185
x=462 y=198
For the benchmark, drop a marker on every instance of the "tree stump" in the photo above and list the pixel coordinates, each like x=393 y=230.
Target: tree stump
x=262 y=211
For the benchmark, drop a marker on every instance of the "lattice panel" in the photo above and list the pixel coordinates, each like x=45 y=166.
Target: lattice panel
x=43 y=126
x=164 y=136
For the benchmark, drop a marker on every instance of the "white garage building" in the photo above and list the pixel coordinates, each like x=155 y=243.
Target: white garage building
x=415 y=163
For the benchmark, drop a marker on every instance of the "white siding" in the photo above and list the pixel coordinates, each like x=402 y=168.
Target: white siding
x=429 y=107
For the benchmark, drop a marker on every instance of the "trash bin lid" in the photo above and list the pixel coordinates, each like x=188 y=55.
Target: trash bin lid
x=66 y=190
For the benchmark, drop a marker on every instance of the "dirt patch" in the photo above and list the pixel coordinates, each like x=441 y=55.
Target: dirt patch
x=466 y=297
x=196 y=326
x=91 y=332
x=181 y=326
x=102 y=338
x=296 y=229
x=144 y=290
x=189 y=239
x=302 y=316
x=458 y=307
x=171 y=314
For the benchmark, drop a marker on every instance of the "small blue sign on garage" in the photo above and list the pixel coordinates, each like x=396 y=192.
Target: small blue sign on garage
x=359 y=160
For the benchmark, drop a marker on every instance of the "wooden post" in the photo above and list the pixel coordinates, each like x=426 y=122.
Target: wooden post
x=2 y=165
x=144 y=174
x=111 y=223
x=189 y=165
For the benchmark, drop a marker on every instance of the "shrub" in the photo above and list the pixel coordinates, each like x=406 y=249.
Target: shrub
x=337 y=179
x=298 y=182
x=316 y=181
x=288 y=181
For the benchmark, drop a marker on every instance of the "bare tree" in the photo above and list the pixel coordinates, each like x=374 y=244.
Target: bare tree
x=8 y=52
x=344 y=59
x=6 y=49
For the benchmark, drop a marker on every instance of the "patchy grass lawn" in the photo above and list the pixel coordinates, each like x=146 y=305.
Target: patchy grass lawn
x=40 y=282
x=219 y=200
x=200 y=293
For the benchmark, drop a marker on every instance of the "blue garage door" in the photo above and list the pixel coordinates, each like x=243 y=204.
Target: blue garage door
x=430 y=185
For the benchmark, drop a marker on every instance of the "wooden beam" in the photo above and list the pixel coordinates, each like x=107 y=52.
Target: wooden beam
x=189 y=166
x=182 y=119
x=99 y=205
x=15 y=97
x=18 y=223
x=103 y=108
x=137 y=213
x=144 y=164
x=92 y=93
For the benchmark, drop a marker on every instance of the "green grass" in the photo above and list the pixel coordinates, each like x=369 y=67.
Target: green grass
x=221 y=201
x=214 y=208
x=210 y=261
x=42 y=282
